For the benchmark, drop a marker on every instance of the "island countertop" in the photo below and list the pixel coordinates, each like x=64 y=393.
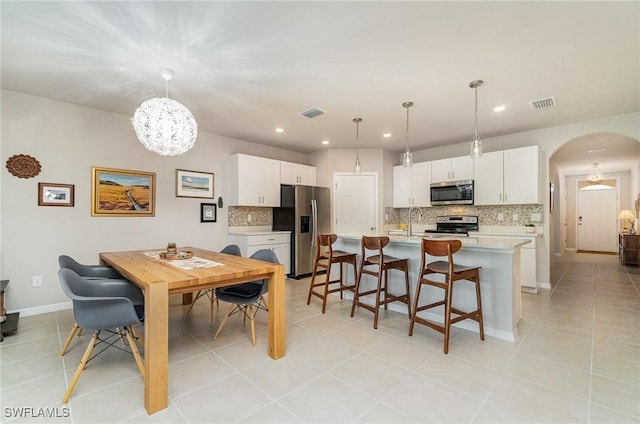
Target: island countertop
x=468 y=243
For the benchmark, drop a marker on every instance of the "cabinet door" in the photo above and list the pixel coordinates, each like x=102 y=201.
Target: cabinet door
x=522 y=176
x=288 y=173
x=306 y=175
x=268 y=175
x=282 y=251
x=421 y=183
x=248 y=190
x=402 y=193
x=488 y=187
x=462 y=168
x=441 y=170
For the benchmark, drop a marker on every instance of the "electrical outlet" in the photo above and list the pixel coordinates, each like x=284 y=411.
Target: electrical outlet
x=249 y=218
x=535 y=217
x=515 y=217
x=500 y=217
x=37 y=281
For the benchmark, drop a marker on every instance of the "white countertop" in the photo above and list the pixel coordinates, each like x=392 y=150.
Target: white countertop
x=256 y=232
x=478 y=242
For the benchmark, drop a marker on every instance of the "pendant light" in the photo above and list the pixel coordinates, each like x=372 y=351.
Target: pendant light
x=407 y=157
x=476 y=144
x=163 y=125
x=357 y=169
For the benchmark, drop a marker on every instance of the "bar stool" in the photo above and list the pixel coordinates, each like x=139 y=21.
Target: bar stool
x=382 y=263
x=325 y=258
x=451 y=273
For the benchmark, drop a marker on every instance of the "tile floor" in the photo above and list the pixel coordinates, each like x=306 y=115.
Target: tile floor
x=577 y=360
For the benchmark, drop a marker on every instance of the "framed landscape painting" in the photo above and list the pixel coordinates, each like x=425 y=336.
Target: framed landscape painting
x=120 y=192
x=50 y=194
x=194 y=184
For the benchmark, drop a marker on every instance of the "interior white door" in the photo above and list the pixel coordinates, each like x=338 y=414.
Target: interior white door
x=356 y=203
x=597 y=230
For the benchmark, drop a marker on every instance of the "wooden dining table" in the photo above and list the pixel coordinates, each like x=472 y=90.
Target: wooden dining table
x=160 y=278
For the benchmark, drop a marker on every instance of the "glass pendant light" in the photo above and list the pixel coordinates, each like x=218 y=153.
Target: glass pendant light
x=163 y=125
x=357 y=169
x=476 y=144
x=407 y=157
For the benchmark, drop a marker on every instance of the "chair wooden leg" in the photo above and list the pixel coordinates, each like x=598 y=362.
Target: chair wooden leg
x=138 y=335
x=447 y=313
x=134 y=350
x=377 y=306
x=478 y=297
x=83 y=363
x=326 y=287
x=123 y=339
x=75 y=328
x=406 y=280
x=313 y=281
x=80 y=332
x=213 y=300
x=356 y=290
x=253 y=325
x=193 y=302
x=415 y=306
x=224 y=321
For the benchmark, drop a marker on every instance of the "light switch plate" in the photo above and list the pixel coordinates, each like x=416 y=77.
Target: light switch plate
x=515 y=217
x=500 y=217
x=535 y=217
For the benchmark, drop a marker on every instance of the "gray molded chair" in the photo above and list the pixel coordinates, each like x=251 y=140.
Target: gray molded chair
x=232 y=249
x=247 y=297
x=94 y=308
x=115 y=283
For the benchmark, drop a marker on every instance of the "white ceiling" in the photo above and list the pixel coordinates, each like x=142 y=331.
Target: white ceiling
x=244 y=68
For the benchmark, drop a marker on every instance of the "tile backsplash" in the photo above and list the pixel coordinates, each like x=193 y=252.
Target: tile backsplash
x=487 y=215
x=260 y=217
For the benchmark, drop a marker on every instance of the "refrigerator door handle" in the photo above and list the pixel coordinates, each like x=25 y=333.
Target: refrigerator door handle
x=314 y=223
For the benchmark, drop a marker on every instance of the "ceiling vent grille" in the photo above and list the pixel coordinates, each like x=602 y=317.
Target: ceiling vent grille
x=313 y=112
x=545 y=103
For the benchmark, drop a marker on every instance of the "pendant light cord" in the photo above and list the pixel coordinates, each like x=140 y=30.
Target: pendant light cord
x=476 y=89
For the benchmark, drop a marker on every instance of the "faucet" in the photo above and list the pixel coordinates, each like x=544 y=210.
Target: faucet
x=410 y=229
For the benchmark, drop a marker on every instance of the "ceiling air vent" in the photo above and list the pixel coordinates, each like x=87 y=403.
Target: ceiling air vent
x=313 y=112
x=545 y=103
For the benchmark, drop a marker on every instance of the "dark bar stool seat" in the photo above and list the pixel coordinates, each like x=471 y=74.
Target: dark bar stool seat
x=377 y=265
x=325 y=258
x=451 y=273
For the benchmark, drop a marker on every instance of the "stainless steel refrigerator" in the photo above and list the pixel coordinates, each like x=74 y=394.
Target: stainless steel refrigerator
x=304 y=210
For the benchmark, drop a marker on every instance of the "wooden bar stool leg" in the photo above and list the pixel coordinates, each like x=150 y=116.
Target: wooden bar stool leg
x=377 y=307
x=478 y=297
x=341 y=280
x=406 y=280
x=356 y=297
x=415 y=306
x=313 y=281
x=326 y=287
x=447 y=313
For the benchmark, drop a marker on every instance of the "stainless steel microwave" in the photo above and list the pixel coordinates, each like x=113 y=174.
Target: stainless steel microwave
x=452 y=193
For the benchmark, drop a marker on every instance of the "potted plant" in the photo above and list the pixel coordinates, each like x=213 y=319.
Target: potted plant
x=530 y=228
x=171 y=248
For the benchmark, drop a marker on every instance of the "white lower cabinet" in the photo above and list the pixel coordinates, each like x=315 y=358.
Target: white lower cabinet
x=279 y=242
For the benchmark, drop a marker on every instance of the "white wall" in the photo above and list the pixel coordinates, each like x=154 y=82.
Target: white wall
x=68 y=140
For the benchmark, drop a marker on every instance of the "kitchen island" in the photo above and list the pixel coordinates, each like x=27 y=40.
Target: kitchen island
x=499 y=277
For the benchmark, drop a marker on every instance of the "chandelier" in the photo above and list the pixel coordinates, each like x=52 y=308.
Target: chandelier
x=476 y=144
x=357 y=168
x=163 y=125
x=407 y=157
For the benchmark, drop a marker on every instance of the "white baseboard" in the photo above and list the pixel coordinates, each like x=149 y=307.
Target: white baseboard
x=570 y=249
x=45 y=309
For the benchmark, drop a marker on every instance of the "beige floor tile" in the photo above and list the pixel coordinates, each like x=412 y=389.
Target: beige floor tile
x=324 y=353
x=327 y=399
x=627 y=323
x=602 y=415
x=568 y=380
x=399 y=351
x=370 y=374
x=616 y=394
x=381 y=413
x=243 y=355
x=276 y=378
x=298 y=335
x=112 y=404
x=559 y=336
x=170 y=415
x=485 y=353
x=228 y=400
x=617 y=349
x=357 y=336
x=30 y=333
x=19 y=372
x=324 y=324
x=536 y=402
x=430 y=402
x=460 y=374
x=491 y=414
x=196 y=372
x=553 y=352
x=100 y=374
x=44 y=392
x=617 y=334
x=30 y=349
x=617 y=369
x=272 y=413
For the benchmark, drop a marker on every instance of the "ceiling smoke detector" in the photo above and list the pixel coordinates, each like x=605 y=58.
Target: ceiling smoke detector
x=313 y=112
x=545 y=103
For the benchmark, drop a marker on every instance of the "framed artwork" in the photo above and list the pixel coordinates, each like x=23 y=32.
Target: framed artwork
x=208 y=212
x=120 y=192
x=552 y=192
x=194 y=184
x=50 y=194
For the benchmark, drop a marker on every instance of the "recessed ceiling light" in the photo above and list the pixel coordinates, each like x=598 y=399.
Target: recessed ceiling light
x=325 y=142
x=500 y=108
x=386 y=135
x=597 y=150
x=279 y=130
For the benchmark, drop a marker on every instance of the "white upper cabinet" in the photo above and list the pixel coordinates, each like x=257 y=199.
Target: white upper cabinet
x=452 y=169
x=508 y=177
x=297 y=174
x=254 y=181
x=411 y=185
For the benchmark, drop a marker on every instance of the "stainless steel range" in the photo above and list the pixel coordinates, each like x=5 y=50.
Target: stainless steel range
x=458 y=225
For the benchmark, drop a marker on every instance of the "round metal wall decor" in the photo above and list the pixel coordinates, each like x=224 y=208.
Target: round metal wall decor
x=23 y=166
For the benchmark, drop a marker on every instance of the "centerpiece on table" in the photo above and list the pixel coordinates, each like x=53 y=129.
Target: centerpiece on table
x=172 y=253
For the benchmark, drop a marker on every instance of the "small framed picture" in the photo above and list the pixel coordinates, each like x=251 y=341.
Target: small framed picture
x=208 y=212
x=194 y=184
x=50 y=194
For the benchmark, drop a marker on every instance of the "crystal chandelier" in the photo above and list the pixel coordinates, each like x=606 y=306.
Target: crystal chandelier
x=407 y=157
x=163 y=125
x=357 y=168
x=476 y=144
